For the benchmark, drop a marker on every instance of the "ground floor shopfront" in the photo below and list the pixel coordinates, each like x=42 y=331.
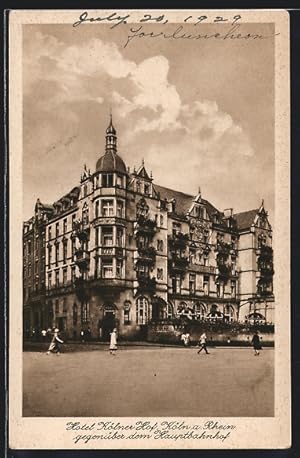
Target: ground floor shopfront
x=94 y=316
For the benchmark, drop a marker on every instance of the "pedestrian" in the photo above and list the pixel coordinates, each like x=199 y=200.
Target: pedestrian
x=54 y=345
x=256 y=343
x=113 y=342
x=185 y=339
x=202 y=342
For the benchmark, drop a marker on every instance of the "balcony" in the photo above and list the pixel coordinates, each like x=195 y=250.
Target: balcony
x=224 y=248
x=178 y=263
x=82 y=259
x=146 y=284
x=81 y=230
x=111 y=251
x=202 y=269
x=178 y=240
x=147 y=255
x=265 y=253
x=224 y=272
x=145 y=225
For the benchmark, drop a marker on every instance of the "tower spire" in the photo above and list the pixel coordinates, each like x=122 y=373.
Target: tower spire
x=111 y=136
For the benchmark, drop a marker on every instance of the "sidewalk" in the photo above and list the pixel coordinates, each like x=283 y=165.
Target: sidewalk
x=95 y=345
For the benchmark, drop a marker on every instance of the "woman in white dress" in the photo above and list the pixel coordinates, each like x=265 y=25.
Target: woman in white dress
x=113 y=342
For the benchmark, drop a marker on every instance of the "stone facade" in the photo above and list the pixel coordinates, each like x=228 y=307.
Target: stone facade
x=120 y=251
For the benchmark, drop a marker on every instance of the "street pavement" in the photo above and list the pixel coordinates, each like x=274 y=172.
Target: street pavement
x=149 y=381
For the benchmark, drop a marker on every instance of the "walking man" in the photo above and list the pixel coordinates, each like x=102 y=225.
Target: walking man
x=202 y=343
x=256 y=343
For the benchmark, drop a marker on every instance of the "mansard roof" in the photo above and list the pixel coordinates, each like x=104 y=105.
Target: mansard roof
x=245 y=219
x=183 y=201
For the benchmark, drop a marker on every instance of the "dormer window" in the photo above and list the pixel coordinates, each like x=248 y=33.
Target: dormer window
x=119 y=181
x=147 y=189
x=107 y=180
x=85 y=190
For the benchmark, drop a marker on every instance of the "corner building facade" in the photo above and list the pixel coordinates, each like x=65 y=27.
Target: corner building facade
x=121 y=251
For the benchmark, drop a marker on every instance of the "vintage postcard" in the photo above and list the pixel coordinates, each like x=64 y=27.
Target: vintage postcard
x=149 y=269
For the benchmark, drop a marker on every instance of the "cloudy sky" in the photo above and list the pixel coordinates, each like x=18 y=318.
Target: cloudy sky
x=199 y=113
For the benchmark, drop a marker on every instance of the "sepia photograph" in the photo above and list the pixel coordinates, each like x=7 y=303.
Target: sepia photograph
x=150 y=268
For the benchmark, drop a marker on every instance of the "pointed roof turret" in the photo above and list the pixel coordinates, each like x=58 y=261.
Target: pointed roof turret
x=111 y=161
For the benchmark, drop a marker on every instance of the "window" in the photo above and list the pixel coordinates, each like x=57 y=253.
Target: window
x=206 y=236
x=49 y=280
x=85 y=312
x=49 y=255
x=65 y=225
x=64 y=305
x=65 y=250
x=85 y=215
x=199 y=311
x=205 y=260
x=65 y=272
x=192 y=255
x=97 y=208
x=119 y=181
x=228 y=313
x=143 y=270
x=29 y=247
x=142 y=306
x=176 y=284
x=49 y=233
x=176 y=228
x=56 y=253
x=56 y=278
x=85 y=190
x=120 y=209
x=206 y=284
x=73 y=274
x=56 y=306
x=119 y=267
x=107 y=268
x=220 y=289
x=107 y=208
x=160 y=245
x=142 y=241
x=97 y=236
x=75 y=314
x=147 y=189
x=107 y=180
x=233 y=288
x=73 y=248
x=57 y=229
x=138 y=186
x=119 y=237
x=73 y=220
x=160 y=274
x=107 y=236
x=192 y=283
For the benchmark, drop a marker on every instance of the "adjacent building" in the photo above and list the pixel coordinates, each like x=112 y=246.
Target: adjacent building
x=120 y=250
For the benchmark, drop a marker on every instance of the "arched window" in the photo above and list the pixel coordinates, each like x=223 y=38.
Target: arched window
x=229 y=314
x=75 y=314
x=200 y=311
x=215 y=312
x=142 y=310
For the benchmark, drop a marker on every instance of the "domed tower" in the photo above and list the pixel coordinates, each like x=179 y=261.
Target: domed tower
x=111 y=162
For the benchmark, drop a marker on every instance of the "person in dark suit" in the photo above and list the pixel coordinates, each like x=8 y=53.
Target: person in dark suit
x=256 y=343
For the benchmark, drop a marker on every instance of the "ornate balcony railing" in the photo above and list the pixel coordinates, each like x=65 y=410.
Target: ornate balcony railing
x=202 y=269
x=145 y=225
x=81 y=230
x=82 y=258
x=147 y=254
x=178 y=240
x=178 y=263
x=146 y=283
